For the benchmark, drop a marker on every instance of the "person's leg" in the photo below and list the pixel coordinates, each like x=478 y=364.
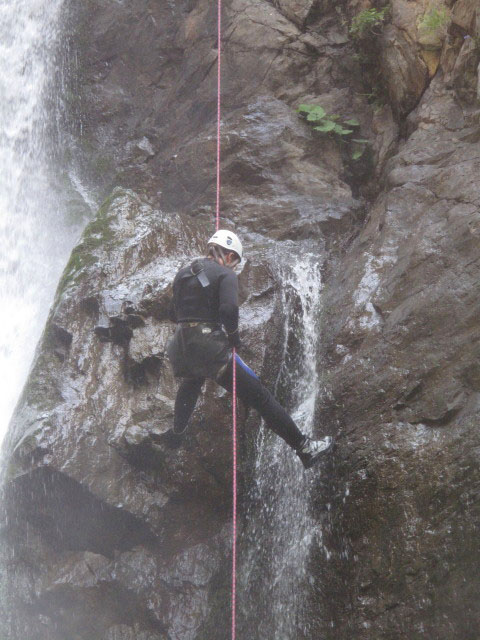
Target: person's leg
x=187 y=396
x=252 y=392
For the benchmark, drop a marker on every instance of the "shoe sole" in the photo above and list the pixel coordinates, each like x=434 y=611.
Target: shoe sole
x=314 y=460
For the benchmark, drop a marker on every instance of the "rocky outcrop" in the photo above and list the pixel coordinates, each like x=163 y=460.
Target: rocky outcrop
x=90 y=471
x=111 y=533
x=400 y=334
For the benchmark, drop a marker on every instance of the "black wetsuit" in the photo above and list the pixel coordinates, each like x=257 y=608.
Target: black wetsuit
x=205 y=299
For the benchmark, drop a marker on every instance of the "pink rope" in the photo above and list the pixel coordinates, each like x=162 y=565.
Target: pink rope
x=234 y=535
x=219 y=88
x=234 y=383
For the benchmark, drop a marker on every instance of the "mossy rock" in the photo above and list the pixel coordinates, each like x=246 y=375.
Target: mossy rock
x=98 y=234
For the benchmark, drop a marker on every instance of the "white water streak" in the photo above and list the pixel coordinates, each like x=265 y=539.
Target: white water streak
x=283 y=531
x=34 y=240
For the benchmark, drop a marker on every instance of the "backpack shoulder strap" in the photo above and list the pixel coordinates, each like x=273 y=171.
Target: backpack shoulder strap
x=198 y=271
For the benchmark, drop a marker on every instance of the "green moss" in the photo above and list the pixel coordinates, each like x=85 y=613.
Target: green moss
x=368 y=22
x=98 y=234
x=79 y=260
x=435 y=19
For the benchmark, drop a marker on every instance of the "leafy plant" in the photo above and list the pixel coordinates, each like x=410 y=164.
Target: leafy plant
x=434 y=19
x=367 y=20
x=332 y=125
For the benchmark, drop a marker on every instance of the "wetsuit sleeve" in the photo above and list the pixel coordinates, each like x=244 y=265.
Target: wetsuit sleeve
x=228 y=302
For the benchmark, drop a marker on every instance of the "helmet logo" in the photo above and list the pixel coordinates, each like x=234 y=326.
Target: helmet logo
x=229 y=241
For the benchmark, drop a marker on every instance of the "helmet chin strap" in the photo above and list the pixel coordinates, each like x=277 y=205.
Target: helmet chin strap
x=219 y=254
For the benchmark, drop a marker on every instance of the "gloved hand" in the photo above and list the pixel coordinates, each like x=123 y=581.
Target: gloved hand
x=234 y=339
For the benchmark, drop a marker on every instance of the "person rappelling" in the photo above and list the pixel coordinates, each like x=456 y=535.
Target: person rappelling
x=205 y=309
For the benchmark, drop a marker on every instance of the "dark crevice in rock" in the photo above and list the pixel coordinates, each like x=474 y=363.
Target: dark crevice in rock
x=120 y=328
x=91 y=306
x=404 y=127
x=143 y=449
x=61 y=336
x=141 y=373
x=439 y=421
x=69 y=517
x=61 y=340
x=318 y=9
x=118 y=332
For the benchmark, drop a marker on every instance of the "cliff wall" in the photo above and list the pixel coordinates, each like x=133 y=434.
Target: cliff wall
x=108 y=532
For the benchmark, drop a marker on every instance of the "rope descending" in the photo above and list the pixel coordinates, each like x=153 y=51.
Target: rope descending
x=234 y=373
x=234 y=534
x=219 y=91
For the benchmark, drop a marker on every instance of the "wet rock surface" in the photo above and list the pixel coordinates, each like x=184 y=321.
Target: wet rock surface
x=109 y=533
x=90 y=470
x=400 y=327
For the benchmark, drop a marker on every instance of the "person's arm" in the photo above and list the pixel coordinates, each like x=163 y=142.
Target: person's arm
x=228 y=307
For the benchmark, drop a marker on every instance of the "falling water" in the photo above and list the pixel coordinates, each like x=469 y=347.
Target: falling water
x=280 y=530
x=35 y=235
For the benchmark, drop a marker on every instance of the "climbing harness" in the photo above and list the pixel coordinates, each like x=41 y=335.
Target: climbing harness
x=234 y=383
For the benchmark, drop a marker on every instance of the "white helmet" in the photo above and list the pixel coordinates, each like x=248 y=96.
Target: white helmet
x=227 y=240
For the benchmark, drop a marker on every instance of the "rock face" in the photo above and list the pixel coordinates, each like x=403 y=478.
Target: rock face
x=400 y=334
x=110 y=533
x=122 y=518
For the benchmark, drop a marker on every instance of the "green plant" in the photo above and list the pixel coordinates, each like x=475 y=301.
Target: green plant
x=332 y=125
x=323 y=122
x=366 y=21
x=434 y=19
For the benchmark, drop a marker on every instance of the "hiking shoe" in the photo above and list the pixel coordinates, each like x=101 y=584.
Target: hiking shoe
x=310 y=450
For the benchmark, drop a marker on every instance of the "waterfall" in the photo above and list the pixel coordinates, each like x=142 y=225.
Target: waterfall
x=36 y=233
x=279 y=530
